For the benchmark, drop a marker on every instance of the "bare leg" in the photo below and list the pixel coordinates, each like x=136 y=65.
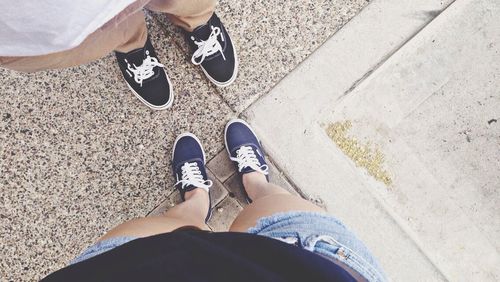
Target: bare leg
x=268 y=199
x=191 y=212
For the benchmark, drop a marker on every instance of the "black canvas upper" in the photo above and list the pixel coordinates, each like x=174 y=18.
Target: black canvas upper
x=218 y=68
x=155 y=90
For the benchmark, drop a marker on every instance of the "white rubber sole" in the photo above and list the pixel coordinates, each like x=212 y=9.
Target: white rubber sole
x=157 y=108
x=232 y=79
x=195 y=138
x=240 y=121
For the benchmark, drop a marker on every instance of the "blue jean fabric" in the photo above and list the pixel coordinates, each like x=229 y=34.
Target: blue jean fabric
x=102 y=247
x=324 y=235
x=315 y=232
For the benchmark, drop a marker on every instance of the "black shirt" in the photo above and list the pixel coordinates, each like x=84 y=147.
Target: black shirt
x=203 y=256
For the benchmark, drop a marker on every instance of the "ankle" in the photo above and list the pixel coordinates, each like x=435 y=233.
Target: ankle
x=253 y=178
x=196 y=204
x=254 y=183
x=195 y=194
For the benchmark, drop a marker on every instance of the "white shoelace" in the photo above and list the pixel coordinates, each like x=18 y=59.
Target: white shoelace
x=145 y=70
x=191 y=175
x=245 y=157
x=208 y=47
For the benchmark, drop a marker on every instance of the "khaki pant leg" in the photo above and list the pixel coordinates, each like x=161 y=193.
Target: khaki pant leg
x=188 y=14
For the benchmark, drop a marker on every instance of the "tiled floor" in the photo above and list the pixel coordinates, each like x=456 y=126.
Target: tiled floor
x=80 y=154
x=226 y=193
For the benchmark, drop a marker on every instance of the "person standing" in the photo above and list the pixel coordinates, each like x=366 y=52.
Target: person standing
x=277 y=237
x=40 y=35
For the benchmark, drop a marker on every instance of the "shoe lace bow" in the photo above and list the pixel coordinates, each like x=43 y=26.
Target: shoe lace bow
x=245 y=157
x=145 y=70
x=208 y=47
x=191 y=175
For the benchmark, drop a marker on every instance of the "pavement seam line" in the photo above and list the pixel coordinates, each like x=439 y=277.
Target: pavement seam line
x=319 y=202
x=390 y=54
x=300 y=63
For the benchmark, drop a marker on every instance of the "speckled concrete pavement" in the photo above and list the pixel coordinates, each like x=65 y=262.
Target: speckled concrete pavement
x=80 y=154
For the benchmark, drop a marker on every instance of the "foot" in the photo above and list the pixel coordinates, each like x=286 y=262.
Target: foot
x=188 y=163
x=146 y=76
x=214 y=51
x=244 y=149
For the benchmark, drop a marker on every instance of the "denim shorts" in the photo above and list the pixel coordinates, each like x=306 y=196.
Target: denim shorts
x=324 y=235
x=319 y=233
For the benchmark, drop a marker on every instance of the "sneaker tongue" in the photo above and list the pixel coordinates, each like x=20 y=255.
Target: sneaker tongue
x=136 y=56
x=247 y=170
x=202 y=32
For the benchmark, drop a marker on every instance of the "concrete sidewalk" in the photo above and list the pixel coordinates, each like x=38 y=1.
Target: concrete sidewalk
x=425 y=95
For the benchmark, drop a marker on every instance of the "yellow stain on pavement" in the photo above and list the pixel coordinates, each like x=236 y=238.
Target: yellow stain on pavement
x=364 y=155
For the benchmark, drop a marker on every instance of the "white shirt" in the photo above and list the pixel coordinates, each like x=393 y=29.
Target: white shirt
x=38 y=27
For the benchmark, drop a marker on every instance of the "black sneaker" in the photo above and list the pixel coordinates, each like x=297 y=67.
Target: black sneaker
x=146 y=76
x=214 y=51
